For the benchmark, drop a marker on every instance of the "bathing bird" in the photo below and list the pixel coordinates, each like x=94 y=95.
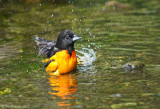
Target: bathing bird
x=61 y=53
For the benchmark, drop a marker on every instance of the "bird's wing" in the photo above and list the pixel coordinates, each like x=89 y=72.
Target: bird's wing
x=46 y=47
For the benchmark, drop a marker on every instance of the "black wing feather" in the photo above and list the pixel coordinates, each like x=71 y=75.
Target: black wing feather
x=46 y=47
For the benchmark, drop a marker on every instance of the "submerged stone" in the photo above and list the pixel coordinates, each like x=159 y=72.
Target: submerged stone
x=6 y=91
x=133 y=65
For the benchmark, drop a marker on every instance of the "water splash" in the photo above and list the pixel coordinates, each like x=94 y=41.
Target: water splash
x=87 y=56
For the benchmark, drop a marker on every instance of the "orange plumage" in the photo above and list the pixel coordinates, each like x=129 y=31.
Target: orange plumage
x=63 y=62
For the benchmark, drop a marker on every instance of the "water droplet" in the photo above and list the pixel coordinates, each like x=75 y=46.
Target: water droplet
x=117 y=95
x=87 y=29
x=52 y=15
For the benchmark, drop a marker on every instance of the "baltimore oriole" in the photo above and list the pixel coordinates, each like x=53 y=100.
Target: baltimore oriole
x=61 y=53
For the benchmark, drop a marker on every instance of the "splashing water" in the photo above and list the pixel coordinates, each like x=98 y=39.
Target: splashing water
x=87 y=56
x=86 y=59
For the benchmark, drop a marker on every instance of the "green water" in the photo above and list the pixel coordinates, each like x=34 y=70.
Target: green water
x=116 y=35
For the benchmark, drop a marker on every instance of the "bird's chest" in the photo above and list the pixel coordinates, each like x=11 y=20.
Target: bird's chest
x=65 y=61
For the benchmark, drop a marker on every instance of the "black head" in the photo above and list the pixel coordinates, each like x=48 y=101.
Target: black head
x=66 y=40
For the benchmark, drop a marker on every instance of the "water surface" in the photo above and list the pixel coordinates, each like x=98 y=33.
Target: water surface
x=116 y=36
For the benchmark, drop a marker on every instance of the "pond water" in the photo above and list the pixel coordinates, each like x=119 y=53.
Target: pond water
x=112 y=35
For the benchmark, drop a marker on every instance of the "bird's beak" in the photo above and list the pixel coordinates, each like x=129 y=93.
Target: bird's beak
x=76 y=38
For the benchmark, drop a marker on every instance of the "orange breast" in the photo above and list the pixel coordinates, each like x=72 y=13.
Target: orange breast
x=64 y=63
